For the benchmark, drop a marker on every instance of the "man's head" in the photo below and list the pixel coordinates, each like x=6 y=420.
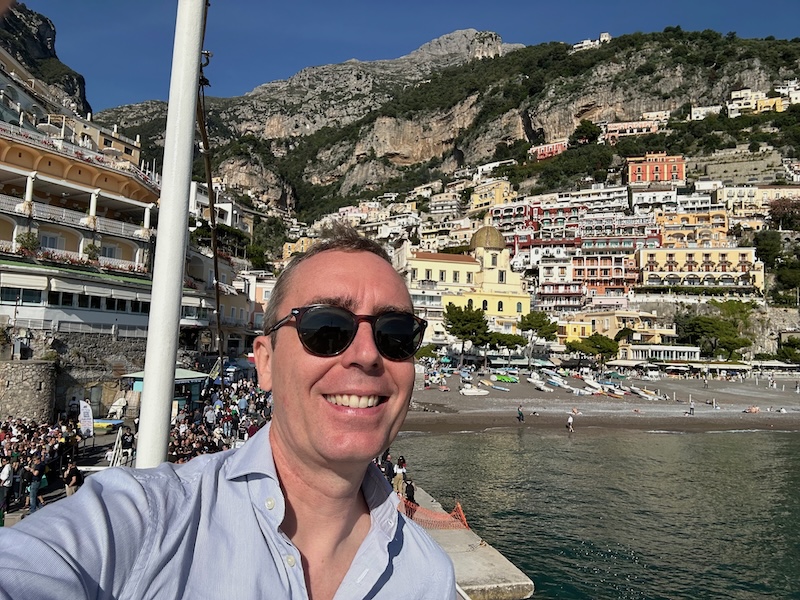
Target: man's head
x=337 y=396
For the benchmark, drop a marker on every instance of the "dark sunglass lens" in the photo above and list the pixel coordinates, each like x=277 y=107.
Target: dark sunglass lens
x=397 y=335
x=326 y=331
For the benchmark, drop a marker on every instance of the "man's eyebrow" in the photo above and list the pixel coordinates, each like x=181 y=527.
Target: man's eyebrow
x=350 y=304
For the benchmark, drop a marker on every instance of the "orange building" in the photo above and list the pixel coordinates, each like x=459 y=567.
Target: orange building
x=656 y=167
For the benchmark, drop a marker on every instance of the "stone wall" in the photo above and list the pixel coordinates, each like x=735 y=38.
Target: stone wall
x=27 y=389
x=88 y=366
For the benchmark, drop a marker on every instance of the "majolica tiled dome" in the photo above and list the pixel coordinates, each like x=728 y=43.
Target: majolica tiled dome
x=487 y=237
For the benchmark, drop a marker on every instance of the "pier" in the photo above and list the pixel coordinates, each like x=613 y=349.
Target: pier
x=482 y=573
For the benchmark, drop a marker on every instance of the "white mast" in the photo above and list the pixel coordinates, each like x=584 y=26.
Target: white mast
x=173 y=220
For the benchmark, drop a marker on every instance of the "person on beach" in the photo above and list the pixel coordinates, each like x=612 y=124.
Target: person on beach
x=569 y=424
x=691 y=407
x=411 y=501
x=299 y=511
x=399 y=475
x=520 y=414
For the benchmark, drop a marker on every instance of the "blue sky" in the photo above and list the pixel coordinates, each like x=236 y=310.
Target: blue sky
x=124 y=47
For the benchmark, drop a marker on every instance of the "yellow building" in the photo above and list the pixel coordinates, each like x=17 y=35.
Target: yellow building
x=299 y=246
x=483 y=280
x=737 y=268
x=489 y=194
x=610 y=322
x=707 y=229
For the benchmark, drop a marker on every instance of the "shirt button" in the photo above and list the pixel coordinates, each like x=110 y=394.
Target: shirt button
x=270 y=503
x=290 y=560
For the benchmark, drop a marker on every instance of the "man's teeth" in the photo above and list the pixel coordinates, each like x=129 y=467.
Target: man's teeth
x=352 y=400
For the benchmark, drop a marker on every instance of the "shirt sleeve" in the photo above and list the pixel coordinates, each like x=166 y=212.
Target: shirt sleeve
x=75 y=548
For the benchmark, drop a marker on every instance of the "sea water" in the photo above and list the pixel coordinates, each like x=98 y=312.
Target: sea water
x=616 y=514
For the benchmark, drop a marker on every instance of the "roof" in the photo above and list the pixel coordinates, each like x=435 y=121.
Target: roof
x=487 y=237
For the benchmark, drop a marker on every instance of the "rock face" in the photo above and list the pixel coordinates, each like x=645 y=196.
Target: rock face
x=31 y=39
x=639 y=74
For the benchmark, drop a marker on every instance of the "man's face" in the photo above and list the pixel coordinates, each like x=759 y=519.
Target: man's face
x=309 y=420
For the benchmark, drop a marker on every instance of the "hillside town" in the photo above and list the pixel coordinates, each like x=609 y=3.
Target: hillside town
x=79 y=221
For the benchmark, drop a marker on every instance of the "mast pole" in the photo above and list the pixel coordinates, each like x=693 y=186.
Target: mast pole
x=170 y=254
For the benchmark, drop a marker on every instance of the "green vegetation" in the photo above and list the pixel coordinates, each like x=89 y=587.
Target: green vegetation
x=466 y=324
x=597 y=345
x=540 y=324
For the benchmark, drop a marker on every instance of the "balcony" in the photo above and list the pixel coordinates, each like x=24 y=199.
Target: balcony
x=71 y=218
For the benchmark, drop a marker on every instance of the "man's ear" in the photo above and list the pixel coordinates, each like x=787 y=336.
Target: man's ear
x=262 y=352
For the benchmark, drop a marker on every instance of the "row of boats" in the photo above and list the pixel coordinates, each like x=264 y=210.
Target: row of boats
x=547 y=380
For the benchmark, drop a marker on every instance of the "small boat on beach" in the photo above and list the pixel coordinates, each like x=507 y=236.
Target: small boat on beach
x=469 y=390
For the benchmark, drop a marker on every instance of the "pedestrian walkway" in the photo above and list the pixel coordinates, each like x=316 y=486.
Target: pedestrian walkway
x=482 y=572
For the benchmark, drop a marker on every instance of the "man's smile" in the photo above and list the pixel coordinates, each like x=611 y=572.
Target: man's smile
x=355 y=401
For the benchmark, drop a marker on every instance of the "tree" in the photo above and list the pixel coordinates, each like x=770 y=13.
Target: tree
x=712 y=334
x=466 y=324
x=624 y=334
x=539 y=324
x=597 y=345
x=499 y=340
x=585 y=133
x=785 y=214
x=768 y=247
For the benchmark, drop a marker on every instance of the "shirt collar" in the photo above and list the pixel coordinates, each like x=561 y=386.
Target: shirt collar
x=255 y=457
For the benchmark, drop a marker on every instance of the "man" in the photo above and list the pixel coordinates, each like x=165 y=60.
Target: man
x=37 y=472
x=298 y=511
x=127 y=440
x=6 y=483
x=73 y=478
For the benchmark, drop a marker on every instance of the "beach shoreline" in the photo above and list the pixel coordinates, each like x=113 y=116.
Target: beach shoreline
x=435 y=411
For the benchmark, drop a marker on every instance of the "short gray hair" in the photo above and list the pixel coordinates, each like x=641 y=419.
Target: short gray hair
x=338 y=236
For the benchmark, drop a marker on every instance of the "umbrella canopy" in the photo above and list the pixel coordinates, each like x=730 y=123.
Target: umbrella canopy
x=181 y=375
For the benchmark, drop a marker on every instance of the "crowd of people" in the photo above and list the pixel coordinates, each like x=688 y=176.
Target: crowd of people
x=226 y=414
x=34 y=456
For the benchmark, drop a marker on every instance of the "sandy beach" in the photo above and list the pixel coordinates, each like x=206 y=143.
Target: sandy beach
x=435 y=411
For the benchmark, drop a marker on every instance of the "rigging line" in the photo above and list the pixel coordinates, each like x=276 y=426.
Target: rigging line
x=205 y=151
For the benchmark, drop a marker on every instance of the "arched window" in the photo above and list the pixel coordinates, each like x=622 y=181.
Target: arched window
x=485 y=305
x=469 y=303
x=500 y=306
x=519 y=307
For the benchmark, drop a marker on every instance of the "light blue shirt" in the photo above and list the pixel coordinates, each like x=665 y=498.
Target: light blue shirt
x=207 y=529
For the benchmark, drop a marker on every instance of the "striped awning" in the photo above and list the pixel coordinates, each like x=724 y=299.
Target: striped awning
x=60 y=285
x=21 y=280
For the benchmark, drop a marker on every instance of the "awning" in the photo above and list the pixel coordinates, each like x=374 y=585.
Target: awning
x=59 y=285
x=19 y=280
x=96 y=290
x=143 y=297
x=622 y=362
x=181 y=376
x=123 y=294
x=190 y=301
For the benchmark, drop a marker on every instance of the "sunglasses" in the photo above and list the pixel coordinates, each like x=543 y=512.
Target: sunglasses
x=326 y=330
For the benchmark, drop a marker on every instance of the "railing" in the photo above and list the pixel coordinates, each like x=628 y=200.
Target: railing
x=131 y=331
x=61 y=147
x=65 y=216
x=119 y=264
x=38 y=324
x=80 y=327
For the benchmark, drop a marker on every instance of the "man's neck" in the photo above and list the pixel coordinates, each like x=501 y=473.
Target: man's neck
x=326 y=517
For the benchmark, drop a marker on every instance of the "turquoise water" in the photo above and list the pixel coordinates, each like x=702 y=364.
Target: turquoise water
x=627 y=515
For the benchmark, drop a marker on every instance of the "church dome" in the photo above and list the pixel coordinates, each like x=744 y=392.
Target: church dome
x=489 y=238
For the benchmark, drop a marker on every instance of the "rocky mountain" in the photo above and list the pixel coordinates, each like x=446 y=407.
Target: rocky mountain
x=330 y=133
x=31 y=39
